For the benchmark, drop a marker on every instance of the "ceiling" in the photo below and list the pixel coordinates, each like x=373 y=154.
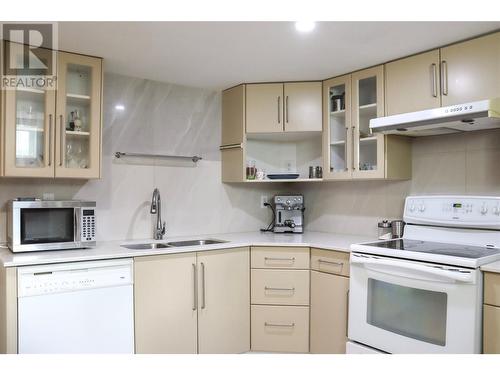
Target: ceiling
x=218 y=55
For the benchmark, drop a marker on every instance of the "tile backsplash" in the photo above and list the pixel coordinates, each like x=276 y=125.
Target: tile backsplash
x=170 y=119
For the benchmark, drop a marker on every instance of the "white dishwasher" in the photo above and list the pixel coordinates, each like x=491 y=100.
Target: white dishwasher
x=81 y=307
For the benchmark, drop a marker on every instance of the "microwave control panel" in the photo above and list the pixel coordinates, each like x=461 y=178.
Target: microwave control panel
x=88 y=224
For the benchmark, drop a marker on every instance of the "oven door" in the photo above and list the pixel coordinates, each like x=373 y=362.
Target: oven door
x=401 y=306
x=51 y=226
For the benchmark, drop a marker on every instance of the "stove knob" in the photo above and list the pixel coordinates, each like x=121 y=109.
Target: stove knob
x=412 y=208
x=496 y=210
x=288 y=201
x=421 y=208
x=484 y=210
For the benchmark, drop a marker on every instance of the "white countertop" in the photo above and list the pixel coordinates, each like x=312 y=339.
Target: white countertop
x=491 y=267
x=113 y=250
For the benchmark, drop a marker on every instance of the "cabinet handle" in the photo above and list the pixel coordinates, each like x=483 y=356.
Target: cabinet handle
x=279 y=109
x=195 y=288
x=280 y=259
x=347 y=315
x=61 y=154
x=286 y=108
x=434 y=80
x=203 y=285
x=281 y=289
x=345 y=148
x=291 y=325
x=330 y=262
x=444 y=77
x=353 y=158
x=50 y=140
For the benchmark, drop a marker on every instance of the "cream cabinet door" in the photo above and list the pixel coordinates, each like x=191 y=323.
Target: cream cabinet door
x=233 y=115
x=303 y=107
x=471 y=70
x=78 y=117
x=29 y=116
x=224 y=301
x=264 y=108
x=165 y=304
x=412 y=84
x=329 y=301
x=491 y=329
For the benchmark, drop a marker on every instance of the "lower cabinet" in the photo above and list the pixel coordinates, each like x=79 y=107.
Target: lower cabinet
x=329 y=301
x=491 y=329
x=184 y=304
x=280 y=329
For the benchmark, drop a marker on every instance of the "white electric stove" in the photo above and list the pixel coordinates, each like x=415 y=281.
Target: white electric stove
x=423 y=293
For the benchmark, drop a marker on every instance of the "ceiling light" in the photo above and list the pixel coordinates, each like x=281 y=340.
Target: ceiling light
x=305 y=26
x=120 y=107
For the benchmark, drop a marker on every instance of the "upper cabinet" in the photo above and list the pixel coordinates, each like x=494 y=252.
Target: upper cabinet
x=283 y=107
x=412 y=84
x=460 y=73
x=350 y=149
x=471 y=70
x=56 y=133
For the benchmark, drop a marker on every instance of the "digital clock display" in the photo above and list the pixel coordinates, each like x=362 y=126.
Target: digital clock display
x=457 y=205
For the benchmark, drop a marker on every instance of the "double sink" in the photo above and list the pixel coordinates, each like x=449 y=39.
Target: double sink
x=161 y=245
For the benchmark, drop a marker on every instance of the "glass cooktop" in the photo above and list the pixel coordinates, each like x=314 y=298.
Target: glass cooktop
x=462 y=251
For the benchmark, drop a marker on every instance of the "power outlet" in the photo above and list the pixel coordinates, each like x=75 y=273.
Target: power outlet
x=263 y=199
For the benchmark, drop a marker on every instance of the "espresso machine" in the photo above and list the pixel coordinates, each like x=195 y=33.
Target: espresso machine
x=289 y=214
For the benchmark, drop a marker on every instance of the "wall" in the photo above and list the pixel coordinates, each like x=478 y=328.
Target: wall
x=162 y=118
x=158 y=118
x=448 y=164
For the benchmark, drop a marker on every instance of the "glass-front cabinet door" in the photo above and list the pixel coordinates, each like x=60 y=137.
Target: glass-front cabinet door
x=337 y=131
x=367 y=103
x=29 y=128
x=78 y=116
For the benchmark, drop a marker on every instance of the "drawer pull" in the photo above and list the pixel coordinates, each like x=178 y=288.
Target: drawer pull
x=280 y=259
x=330 y=262
x=291 y=325
x=282 y=289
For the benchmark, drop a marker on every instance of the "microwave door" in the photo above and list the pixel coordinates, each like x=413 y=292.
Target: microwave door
x=404 y=307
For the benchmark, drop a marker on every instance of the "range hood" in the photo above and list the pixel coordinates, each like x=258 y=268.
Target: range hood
x=484 y=114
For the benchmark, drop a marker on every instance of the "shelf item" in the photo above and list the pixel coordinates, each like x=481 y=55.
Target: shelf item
x=194 y=159
x=283 y=176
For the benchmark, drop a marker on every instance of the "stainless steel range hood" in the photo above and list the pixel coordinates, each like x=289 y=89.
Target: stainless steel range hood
x=484 y=114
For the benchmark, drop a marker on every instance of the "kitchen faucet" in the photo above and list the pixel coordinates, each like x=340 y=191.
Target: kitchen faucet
x=159 y=230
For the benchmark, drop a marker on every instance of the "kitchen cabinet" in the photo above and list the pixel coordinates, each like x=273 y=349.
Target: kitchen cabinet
x=350 y=149
x=491 y=313
x=412 y=84
x=283 y=107
x=184 y=303
x=8 y=310
x=280 y=299
x=165 y=304
x=471 y=70
x=224 y=308
x=329 y=301
x=39 y=141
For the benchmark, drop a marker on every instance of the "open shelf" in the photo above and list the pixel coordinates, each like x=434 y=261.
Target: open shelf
x=337 y=143
x=287 y=180
x=28 y=128
x=368 y=139
x=31 y=90
x=78 y=96
x=76 y=133
x=340 y=113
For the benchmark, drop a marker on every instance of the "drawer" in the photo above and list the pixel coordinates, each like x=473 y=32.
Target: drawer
x=280 y=257
x=280 y=287
x=329 y=261
x=280 y=329
x=492 y=288
x=491 y=329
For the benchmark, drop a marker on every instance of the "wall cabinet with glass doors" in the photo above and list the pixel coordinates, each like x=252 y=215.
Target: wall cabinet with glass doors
x=56 y=133
x=350 y=149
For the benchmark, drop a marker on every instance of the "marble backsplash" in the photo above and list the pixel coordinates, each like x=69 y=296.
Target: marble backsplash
x=162 y=118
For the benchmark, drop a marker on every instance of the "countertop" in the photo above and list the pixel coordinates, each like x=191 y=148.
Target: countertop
x=113 y=249
x=492 y=267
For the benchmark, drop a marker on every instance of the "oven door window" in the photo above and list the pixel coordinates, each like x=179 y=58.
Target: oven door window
x=416 y=313
x=47 y=225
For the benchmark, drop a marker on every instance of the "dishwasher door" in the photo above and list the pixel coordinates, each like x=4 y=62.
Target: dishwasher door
x=84 y=307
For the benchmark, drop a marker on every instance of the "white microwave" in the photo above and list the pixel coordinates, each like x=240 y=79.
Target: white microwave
x=37 y=225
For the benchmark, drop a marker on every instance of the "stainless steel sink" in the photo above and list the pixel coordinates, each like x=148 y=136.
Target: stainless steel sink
x=194 y=243
x=146 y=246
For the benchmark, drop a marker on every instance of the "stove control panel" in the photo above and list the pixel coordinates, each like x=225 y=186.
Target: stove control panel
x=454 y=210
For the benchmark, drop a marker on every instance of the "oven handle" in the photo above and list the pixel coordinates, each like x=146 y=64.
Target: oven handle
x=384 y=265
